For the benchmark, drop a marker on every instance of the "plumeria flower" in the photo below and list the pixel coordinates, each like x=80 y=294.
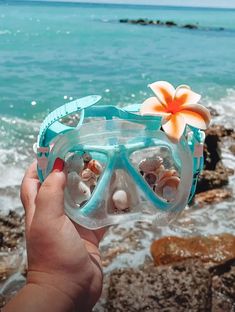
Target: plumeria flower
x=177 y=107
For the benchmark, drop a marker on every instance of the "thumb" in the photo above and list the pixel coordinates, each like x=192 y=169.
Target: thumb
x=50 y=198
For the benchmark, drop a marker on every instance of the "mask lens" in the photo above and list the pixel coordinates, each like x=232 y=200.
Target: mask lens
x=84 y=170
x=159 y=171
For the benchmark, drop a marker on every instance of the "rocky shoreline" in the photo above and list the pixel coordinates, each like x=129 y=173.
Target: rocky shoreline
x=147 y=22
x=191 y=284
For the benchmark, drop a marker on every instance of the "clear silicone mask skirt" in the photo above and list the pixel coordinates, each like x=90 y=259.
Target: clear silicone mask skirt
x=118 y=170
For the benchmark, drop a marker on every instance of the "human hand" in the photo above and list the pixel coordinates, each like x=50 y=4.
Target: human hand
x=61 y=254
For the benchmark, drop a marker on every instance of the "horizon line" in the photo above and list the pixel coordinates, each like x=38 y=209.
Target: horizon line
x=121 y=4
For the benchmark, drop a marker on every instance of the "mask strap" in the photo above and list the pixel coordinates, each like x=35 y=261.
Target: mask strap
x=51 y=126
x=196 y=140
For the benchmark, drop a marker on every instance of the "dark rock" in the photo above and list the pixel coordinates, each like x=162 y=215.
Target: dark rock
x=190 y=26
x=170 y=23
x=214 y=175
x=223 y=291
x=211 y=179
x=124 y=20
x=178 y=287
x=11 y=231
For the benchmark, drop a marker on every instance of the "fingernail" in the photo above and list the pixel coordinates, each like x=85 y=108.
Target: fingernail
x=58 y=165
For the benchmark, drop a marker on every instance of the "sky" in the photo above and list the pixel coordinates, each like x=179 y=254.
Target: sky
x=201 y=3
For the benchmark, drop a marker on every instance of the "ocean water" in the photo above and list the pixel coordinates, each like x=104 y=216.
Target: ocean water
x=53 y=52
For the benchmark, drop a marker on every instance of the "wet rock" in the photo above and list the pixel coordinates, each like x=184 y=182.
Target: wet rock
x=190 y=26
x=11 y=231
x=212 y=196
x=232 y=148
x=220 y=131
x=213 y=111
x=211 y=179
x=212 y=152
x=223 y=291
x=211 y=249
x=215 y=174
x=170 y=23
x=178 y=287
x=123 y=20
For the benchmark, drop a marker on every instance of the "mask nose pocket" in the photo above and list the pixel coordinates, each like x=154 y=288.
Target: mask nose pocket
x=123 y=195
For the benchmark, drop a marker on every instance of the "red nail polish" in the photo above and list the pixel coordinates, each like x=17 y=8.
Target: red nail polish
x=58 y=165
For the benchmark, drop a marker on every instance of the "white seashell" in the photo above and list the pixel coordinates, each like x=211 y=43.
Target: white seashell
x=77 y=189
x=95 y=166
x=75 y=163
x=120 y=200
x=150 y=164
x=83 y=191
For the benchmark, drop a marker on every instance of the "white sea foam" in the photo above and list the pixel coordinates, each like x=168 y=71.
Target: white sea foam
x=5 y=32
x=226 y=108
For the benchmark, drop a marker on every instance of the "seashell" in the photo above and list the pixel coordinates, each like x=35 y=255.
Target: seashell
x=89 y=177
x=167 y=187
x=159 y=170
x=75 y=163
x=150 y=178
x=169 y=193
x=86 y=157
x=120 y=200
x=166 y=173
x=84 y=192
x=150 y=164
x=78 y=190
x=95 y=166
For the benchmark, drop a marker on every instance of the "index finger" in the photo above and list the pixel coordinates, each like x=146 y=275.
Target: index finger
x=29 y=189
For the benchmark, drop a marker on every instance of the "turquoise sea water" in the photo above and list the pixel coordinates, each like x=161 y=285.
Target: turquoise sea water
x=50 y=52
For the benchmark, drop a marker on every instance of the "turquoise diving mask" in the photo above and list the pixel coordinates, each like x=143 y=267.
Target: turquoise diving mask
x=120 y=166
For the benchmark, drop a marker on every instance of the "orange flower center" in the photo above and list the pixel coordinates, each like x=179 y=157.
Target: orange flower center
x=172 y=107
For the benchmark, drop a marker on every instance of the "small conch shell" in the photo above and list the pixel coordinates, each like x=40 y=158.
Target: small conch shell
x=95 y=166
x=75 y=163
x=89 y=177
x=120 y=200
x=150 y=164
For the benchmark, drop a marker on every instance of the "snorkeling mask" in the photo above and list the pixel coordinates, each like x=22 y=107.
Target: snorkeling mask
x=120 y=165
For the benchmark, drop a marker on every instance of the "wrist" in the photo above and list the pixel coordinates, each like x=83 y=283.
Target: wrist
x=69 y=293
x=37 y=298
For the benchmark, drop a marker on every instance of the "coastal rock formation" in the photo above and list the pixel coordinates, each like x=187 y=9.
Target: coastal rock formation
x=185 y=286
x=178 y=287
x=11 y=231
x=215 y=174
x=223 y=291
x=211 y=249
x=213 y=196
x=144 y=22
